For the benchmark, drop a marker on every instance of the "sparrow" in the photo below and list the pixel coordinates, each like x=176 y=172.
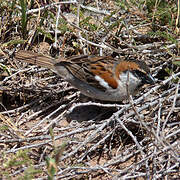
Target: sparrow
x=99 y=77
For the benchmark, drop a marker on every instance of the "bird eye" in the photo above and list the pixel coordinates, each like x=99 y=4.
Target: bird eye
x=146 y=78
x=139 y=74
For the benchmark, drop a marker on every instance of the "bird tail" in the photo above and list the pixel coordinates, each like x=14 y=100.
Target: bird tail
x=36 y=59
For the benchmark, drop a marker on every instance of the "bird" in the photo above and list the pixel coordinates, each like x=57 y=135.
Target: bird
x=103 y=78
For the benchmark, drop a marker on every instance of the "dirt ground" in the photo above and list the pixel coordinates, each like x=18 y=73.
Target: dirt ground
x=48 y=129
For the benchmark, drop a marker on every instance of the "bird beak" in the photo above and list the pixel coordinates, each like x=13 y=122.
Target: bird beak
x=150 y=79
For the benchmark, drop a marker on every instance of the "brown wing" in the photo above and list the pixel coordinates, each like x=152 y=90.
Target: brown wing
x=86 y=68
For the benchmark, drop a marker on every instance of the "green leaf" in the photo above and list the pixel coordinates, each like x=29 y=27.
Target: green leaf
x=13 y=42
x=46 y=34
x=51 y=167
x=177 y=62
x=23 y=4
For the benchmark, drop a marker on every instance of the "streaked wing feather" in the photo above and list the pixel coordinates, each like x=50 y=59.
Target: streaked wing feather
x=86 y=68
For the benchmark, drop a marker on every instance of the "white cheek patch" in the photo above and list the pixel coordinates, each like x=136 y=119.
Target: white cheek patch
x=102 y=82
x=124 y=77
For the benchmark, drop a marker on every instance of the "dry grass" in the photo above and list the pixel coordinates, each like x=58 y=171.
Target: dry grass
x=43 y=116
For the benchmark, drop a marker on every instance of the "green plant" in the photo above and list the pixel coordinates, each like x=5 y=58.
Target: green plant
x=161 y=11
x=18 y=160
x=53 y=161
x=24 y=18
